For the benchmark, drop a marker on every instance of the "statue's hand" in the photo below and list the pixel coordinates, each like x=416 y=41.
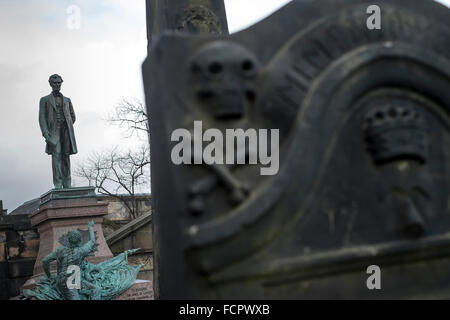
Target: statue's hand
x=131 y=251
x=91 y=224
x=48 y=139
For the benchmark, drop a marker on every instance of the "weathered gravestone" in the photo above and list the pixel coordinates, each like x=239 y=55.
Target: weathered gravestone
x=364 y=155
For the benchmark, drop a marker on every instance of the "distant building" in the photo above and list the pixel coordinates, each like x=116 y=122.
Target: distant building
x=118 y=215
x=3 y=212
x=27 y=208
x=19 y=245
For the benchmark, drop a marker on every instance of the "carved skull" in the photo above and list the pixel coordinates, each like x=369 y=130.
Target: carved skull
x=223 y=79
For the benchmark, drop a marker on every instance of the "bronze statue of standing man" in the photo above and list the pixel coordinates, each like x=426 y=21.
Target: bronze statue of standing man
x=56 y=119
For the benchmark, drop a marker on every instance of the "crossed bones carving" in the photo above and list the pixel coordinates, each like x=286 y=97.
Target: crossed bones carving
x=221 y=175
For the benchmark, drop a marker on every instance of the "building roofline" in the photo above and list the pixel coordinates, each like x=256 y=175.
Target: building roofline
x=129 y=228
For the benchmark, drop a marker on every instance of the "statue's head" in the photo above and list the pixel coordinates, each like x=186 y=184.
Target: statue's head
x=74 y=238
x=55 y=82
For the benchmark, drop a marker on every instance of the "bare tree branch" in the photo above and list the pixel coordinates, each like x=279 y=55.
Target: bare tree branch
x=131 y=114
x=116 y=173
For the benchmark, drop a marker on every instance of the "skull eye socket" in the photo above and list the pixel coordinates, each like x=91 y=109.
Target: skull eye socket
x=215 y=68
x=251 y=96
x=247 y=65
x=204 y=94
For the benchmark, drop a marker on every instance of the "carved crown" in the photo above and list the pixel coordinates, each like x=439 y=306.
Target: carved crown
x=395 y=132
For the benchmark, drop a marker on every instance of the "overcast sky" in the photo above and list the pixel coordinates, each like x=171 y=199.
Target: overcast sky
x=100 y=63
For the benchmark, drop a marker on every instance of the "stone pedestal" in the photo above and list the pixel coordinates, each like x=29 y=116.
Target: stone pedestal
x=140 y=290
x=63 y=210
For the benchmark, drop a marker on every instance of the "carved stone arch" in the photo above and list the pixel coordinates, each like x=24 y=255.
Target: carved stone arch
x=321 y=105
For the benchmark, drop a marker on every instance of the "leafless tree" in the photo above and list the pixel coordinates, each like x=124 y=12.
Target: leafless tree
x=121 y=174
x=118 y=174
x=131 y=114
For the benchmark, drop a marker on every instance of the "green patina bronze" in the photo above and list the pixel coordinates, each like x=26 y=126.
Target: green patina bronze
x=56 y=120
x=70 y=193
x=103 y=281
